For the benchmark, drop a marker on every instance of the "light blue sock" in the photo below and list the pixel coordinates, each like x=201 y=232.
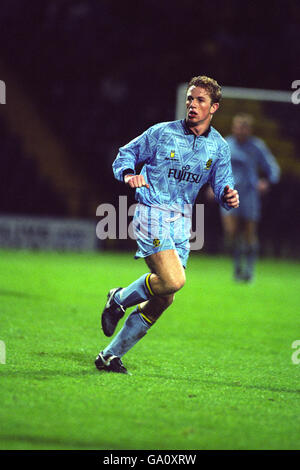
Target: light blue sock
x=135 y=293
x=134 y=329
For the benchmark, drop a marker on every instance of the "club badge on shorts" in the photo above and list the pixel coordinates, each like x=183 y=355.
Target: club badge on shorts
x=156 y=242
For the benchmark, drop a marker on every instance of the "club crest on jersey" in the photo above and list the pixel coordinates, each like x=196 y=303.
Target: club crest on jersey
x=208 y=164
x=172 y=154
x=156 y=242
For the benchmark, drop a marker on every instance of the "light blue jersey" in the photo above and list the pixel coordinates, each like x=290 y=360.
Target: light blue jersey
x=177 y=163
x=248 y=159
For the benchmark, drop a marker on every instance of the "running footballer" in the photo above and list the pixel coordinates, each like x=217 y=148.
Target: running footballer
x=178 y=158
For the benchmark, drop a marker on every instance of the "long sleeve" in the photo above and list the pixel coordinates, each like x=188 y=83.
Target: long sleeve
x=139 y=150
x=222 y=175
x=267 y=162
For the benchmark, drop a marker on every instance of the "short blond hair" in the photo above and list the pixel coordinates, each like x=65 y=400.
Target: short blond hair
x=209 y=84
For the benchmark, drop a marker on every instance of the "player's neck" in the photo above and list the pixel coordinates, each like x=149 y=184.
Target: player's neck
x=200 y=129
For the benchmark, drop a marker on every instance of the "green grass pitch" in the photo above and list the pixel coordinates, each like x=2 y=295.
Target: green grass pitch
x=215 y=372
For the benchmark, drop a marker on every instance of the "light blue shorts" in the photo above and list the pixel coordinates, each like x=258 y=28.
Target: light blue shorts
x=158 y=230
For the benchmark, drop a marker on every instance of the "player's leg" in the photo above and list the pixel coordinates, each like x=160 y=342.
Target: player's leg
x=173 y=277
x=137 y=325
x=233 y=241
x=251 y=241
x=250 y=232
x=230 y=228
x=153 y=308
x=166 y=270
x=166 y=278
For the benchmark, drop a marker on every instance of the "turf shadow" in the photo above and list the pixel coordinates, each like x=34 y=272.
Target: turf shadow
x=45 y=374
x=48 y=441
x=235 y=384
x=73 y=356
x=17 y=294
x=253 y=387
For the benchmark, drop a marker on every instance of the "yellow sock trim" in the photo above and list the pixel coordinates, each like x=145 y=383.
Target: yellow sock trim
x=148 y=284
x=144 y=316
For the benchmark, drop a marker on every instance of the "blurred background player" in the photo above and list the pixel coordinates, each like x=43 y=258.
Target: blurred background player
x=178 y=158
x=254 y=169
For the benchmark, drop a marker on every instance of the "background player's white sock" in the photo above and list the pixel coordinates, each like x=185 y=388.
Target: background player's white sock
x=134 y=329
x=136 y=292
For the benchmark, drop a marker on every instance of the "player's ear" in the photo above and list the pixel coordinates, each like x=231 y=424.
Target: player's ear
x=214 y=107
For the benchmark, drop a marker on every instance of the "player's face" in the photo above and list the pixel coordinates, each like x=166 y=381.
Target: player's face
x=241 y=129
x=199 y=108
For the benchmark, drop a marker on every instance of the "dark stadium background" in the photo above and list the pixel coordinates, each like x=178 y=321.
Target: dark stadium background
x=95 y=74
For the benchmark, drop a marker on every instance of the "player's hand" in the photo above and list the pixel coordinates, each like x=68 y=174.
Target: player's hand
x=231 y=197
x=263 y=185
x=135 y=181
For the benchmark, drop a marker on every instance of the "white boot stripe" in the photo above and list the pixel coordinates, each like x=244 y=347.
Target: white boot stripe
x=108 y=361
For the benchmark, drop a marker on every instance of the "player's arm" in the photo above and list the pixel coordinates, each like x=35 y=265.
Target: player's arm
x=268 y=164
x=138 y=151
x=222 y=182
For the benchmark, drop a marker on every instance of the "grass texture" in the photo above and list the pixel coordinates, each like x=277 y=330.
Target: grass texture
x=215 y=372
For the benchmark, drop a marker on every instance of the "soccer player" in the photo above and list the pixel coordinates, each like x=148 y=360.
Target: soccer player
x=178 y=158
x=249 y=157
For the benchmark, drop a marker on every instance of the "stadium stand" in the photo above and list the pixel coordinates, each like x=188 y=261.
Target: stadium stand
x=22 y=189
x=71 y=61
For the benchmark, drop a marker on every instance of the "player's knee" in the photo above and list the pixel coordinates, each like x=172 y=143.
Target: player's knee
x=176 y=284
